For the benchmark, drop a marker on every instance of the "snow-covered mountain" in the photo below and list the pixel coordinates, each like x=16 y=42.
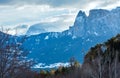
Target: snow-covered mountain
x=87 y=31
x=53 y=47
x=44 y=27
x=36 y=29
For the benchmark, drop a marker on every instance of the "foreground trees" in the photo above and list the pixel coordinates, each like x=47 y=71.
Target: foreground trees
x=103 y=60
x=13 y=62
x=73 y=71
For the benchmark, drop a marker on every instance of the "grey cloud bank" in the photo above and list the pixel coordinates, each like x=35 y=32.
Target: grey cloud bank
x=58 y=3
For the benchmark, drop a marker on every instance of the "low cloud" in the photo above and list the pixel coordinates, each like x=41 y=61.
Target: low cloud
x=62 y=13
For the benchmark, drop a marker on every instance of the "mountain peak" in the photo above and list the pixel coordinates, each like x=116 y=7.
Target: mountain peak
x=81 y=13
x=98 y=13
x=80 y=18
x=36 y=29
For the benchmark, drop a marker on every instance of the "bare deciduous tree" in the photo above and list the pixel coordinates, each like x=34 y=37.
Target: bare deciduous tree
x=12 y=57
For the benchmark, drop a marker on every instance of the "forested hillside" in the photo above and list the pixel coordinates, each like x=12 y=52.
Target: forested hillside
x=101 y=61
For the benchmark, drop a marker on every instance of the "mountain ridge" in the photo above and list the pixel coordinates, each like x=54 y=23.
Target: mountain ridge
x=53 y=47
x=86 y=32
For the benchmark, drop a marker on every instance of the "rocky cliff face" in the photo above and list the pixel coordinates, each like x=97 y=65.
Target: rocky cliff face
x=99 y=23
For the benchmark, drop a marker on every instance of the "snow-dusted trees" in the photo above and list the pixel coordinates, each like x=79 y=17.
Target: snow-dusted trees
x=12 y=57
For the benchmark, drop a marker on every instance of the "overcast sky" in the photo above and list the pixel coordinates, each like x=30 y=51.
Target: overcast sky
x=63 y=12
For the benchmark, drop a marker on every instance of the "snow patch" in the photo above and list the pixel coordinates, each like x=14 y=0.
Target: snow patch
x=103 y=48
x=88 y=39
x=39 y=65
x=55 y=65
x=74 y=37
x=47 y=37
x=96 y=33
x=80 y=18
x=69 y=33
x=37 y=41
